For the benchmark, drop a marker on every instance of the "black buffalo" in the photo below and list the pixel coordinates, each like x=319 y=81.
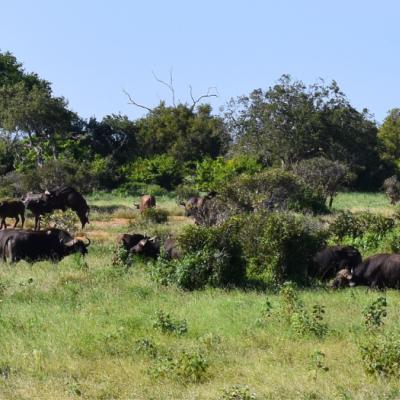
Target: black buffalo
x=327 y=262
x=12 y=209
x=148 y=247
x=58 y=199
x=379 y=271
x=127 y=241
x=32 y=246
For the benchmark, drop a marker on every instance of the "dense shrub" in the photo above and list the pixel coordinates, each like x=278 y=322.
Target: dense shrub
x=162 y=170
x=210 y=174
x=356 y=225
x=272 y=189
x=211 y=256
x=60 y=219
x=184 y=191
x=279 y=246
x=324 y=176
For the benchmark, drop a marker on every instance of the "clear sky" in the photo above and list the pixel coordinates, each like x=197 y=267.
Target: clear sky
x=92 y=49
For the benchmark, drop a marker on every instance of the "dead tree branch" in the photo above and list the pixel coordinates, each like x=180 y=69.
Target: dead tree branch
x=169 y=85
x=133 y=102
x=208 y=94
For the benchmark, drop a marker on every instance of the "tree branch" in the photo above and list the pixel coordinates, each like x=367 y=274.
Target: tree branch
x=169 y=85
x=208 y=94
x=133 y=102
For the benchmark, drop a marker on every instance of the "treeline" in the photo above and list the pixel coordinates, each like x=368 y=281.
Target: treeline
x=311 y=131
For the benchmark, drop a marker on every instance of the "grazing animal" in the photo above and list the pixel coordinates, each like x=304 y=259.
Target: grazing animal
x=12 y=209
x=67 y=197
x=149 y=247
x=127 y=240
x=32 y=246
x=379 y=271
x=58 y=199
x=146 y=201
x=328 y=261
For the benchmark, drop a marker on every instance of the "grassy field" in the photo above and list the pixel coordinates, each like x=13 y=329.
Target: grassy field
x=90 y=330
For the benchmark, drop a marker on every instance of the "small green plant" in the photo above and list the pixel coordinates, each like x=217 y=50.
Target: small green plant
x=237 y=392
x=381 y=355
x=318 y=363
x=185 y=367
x=290 y=302
x=80 y=262
x=374 y=313
x=146 y=346
x=166 y=324
x=65 y=220
x=266 y=310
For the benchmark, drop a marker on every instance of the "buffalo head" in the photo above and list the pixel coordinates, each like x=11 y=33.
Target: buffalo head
x=77 y=246
x=343 y=279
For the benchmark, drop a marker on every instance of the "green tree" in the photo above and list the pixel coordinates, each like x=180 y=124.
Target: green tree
x=389 y=137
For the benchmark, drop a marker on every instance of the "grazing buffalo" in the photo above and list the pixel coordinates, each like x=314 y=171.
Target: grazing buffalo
x=149 y=247
x=32 y=246
x=330 y=260
x=12 y=209
x=127 y=241
x=146 y=201
x=379 y=271
x=58 y=199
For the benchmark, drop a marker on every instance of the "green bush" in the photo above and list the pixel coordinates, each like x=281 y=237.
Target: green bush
x=272 y=189
x=381 y=355
x=162 y=170
x=211 y=256
x=138 y=189
x=237 y=392
x=279 y=246
x=60 y=219
x=210 y=174
x=184 y=192
x=166 y=324
x=356 y=225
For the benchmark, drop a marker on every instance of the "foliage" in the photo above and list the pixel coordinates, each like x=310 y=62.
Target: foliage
x=374 y=313
x=211 y=256
x=211 y=174
x=279 y=246
x=391 y=186
x=323 y=176
x=162 y=170
x=65 y=220
x=166 y=324
x=357 y=225
x=318 y=363
x=389 y=137
x=237 y=392
x=381 y=354
x=184 y=191
x=291 y=122
x=186 y=367
x=272 y=189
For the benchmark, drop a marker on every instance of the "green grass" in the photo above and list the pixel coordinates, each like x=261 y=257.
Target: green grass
x=71 y=331
x=375 y=202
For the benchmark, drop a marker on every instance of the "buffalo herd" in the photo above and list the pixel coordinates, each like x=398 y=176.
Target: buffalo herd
x=343 y=264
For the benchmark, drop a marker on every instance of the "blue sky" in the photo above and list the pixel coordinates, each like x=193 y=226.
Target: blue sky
x=91 y=50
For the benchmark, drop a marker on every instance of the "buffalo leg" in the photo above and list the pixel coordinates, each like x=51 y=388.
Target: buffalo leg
x=16 y=221
x=22 y=220
x=3 y=223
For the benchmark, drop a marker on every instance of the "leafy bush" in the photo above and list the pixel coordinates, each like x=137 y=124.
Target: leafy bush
x=138 y=189
x=162 y=170
x=237 y=392
x=356 y=225
x=184 y=366
x=184 y=192
x=279 y=246
x=272 y=189
x=166 y=324
x=60 y=219
x=374 y=313
x=323 y=176
x=210 y=174
x=155 y=215
x=211 y=256
x=381 y=354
